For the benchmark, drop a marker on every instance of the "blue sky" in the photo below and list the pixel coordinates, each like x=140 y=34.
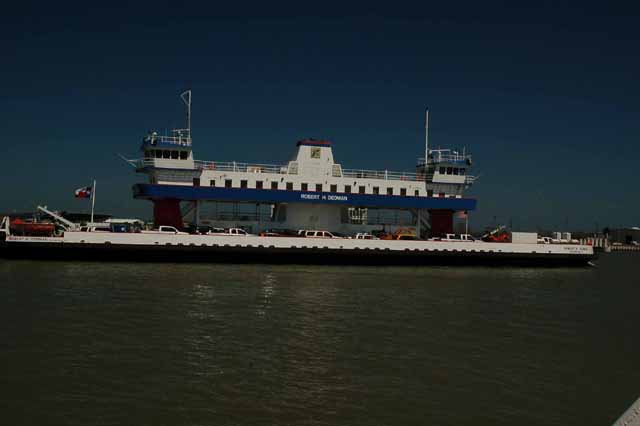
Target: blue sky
x=545 y=97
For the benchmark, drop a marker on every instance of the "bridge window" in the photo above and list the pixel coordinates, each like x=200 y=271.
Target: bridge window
x=166 y=154
x=158 y=153
x=429 y=192
x=403 y=192
x=318 y=187
x=455 y=171
x=274 y=185
x=212 y=182
x=390 y=191
x=304 y=187
x=449 y=170
x=441 y=195
x=442 y=170
x=184 y=155
x=228 y=183
x=347 y=189
x=376 y=190
x=289 y=186
x=258 y=184
x=334 y=188
x=361 y=189
x=196 y=181
x=148 y=153
x=175 y=155
x=243 y=183
x=416 y=193
x=462 y=171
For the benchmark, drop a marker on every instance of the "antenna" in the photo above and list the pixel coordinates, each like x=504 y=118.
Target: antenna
x=426 y=138
x=186 y=98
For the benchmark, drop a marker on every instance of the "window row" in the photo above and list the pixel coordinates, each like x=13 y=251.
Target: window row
x=166 y=154
x=228 y=183
x=452 y=171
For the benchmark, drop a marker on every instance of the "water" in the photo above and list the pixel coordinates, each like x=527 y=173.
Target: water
x=145 y=344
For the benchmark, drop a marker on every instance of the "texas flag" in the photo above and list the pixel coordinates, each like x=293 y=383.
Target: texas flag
x=83 y=192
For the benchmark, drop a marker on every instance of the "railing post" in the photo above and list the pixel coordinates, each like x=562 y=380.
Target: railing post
x=385 y=175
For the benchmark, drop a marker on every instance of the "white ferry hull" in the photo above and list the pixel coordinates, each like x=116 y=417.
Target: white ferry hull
x=283 y=250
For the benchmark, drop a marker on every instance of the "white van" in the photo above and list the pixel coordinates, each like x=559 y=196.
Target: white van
x=315 y=234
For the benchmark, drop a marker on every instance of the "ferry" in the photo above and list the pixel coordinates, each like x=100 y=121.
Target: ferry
x=308 y=210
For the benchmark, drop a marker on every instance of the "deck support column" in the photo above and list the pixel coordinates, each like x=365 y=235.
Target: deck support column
x=166 y=211
x=441 y=222
x=466 y=222
x=258 y=218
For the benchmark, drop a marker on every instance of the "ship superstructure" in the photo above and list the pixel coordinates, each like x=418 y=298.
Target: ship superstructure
x=311 y=190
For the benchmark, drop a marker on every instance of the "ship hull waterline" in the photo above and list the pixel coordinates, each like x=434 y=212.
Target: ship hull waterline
x=278 y=255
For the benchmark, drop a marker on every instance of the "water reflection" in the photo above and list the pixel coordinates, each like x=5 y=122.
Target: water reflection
x=267 y=292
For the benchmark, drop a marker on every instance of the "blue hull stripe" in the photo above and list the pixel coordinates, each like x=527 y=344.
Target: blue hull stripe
x=191 y=193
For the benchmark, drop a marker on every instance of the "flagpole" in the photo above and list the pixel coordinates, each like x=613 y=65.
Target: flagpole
x=426 y=140
x=93 y=199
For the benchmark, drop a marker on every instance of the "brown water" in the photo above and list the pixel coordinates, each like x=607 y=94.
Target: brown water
x=113 y=344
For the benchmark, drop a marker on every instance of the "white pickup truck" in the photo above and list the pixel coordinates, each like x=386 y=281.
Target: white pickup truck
x=238 y=232
x=164 y=229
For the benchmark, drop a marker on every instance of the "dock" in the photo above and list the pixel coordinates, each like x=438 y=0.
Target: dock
x=631 y=417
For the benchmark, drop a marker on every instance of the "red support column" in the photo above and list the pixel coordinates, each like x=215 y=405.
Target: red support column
x=167 y=212
x=441 y=222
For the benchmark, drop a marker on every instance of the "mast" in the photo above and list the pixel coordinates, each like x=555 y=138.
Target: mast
x=426 y=139
x=186 y=98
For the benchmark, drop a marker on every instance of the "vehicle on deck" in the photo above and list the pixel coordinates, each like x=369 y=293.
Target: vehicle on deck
x=498 y=235
x=165 y=229
x=198 y=229
x=237 y=232
x=458 y=237
x=269 y=233
x=316 y=234
x=278 y=233
x=364 y=236
x=404 y=234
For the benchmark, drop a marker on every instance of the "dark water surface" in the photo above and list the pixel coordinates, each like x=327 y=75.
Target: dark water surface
x=145 y=344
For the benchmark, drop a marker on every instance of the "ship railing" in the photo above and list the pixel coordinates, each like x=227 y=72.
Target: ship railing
x=446 y=156
x=383 y=175
x=234 y=166
x=180 y=137
x=391 y=175
x=141 y=163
